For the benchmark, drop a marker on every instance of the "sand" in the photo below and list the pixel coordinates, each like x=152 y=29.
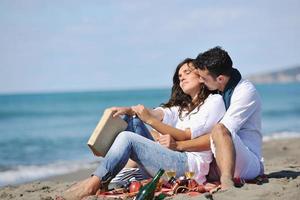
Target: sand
x=282 y=166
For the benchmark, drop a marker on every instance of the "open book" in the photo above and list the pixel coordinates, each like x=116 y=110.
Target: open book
x=105 y=133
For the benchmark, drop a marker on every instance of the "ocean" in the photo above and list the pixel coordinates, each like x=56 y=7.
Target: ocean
x=43 y=135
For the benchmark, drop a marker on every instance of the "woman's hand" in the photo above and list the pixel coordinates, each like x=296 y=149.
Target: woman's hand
x=167 y=141
x=143 y=113
x=121 y=111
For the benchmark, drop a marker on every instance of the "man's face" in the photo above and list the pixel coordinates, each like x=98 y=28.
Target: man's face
x=210 y=82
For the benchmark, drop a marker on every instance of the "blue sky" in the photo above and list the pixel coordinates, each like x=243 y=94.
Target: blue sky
x=72 y=45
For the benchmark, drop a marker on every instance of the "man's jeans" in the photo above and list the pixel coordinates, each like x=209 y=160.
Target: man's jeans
x=137 y=143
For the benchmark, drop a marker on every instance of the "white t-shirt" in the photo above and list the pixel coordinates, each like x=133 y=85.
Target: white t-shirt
x=243 y=116
x=200 y=123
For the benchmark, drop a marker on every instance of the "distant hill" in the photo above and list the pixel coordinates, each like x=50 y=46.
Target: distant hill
x=283 y=76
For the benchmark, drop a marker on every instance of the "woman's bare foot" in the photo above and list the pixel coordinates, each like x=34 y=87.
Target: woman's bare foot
x=82 y=189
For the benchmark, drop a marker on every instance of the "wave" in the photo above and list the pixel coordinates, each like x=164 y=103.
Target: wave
x=22 y=174
x=281 y=135
x=27 y=173
x=44 y=114
x=281 y=112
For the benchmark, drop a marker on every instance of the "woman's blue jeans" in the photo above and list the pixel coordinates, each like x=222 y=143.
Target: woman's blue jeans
x=137 y=143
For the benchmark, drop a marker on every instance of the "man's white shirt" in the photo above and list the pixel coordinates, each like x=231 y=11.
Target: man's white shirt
x=243 y=117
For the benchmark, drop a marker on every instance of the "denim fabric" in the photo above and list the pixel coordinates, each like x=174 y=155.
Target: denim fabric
x=149 y=155
x=137 y=126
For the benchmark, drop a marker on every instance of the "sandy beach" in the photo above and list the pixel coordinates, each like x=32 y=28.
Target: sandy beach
x=282 y=166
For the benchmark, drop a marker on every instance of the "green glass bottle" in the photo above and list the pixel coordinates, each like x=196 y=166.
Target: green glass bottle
x=147 y=192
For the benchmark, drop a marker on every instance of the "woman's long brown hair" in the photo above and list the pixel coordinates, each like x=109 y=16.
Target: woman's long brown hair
x=182 y=100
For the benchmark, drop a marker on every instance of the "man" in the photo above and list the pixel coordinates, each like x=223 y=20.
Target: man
x=236 y=140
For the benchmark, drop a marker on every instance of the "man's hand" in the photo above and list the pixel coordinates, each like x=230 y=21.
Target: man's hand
x=121 y=111
x=143 y=113
x=167 y=141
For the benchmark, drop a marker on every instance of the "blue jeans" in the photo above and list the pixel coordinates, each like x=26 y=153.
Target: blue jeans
x=137 y=126
x=148 y=154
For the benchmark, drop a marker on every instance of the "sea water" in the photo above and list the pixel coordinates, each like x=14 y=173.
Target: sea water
x=43 y=135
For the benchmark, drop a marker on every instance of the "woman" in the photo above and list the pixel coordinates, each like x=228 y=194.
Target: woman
x=192 y=111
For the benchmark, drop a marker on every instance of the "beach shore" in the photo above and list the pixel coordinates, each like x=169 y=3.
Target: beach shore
x=282 y=166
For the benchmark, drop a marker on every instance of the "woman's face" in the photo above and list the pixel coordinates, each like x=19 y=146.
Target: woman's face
x=189 y=79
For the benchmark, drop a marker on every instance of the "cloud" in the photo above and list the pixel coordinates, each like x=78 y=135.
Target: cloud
x=138 y=39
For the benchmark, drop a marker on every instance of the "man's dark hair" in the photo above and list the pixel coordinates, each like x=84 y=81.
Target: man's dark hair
x=216 y=61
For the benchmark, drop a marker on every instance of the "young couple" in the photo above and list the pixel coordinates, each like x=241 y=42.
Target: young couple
x=212 y=113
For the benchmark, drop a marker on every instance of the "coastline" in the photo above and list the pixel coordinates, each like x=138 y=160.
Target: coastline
x=282 y=166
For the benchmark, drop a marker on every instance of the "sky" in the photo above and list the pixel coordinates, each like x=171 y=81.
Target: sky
x=57 y=45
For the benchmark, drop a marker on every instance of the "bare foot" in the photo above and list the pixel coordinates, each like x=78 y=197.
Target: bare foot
x=214 y=190
x=82 y=189
x=226 y=184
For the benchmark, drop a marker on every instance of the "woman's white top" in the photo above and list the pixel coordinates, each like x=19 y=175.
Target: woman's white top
x=199 y=122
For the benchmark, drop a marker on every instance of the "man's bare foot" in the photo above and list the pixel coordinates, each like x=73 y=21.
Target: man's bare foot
x=226 y=184
x=82 y=189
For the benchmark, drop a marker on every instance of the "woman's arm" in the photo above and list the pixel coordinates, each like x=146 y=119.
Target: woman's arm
x=146 y=116
x=158 y=114
x=201 y=143
x=201 y=125
x=164 y=129
x=122 y=111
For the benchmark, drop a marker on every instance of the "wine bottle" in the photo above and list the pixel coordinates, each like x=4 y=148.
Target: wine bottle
x=147 y=191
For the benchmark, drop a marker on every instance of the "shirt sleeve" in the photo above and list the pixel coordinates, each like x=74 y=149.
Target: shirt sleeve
x=244 y=103
x=170 y=115
x=210 y=113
